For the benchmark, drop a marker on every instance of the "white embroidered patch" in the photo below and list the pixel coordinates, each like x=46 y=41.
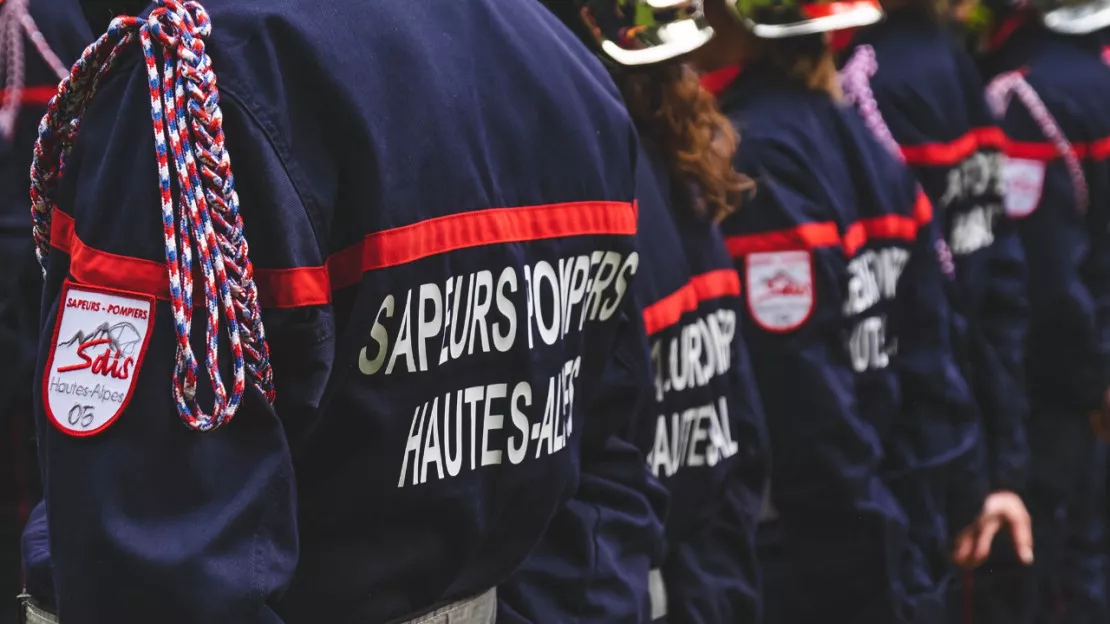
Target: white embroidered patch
x=100 y=338
x=1024 y=180
x=780 y=289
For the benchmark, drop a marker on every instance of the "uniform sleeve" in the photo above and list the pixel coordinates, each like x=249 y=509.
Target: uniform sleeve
x=1068 y=256
x=593 y=562
x=939 y=423
x=751 y=474
x=998 y=357
x=711 y=572
x=835 y=510
x=712 y=575
x=996 y=279
x=150 y=521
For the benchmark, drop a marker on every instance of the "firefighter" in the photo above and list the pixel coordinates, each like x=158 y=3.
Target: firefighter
x=920 y=93
x=1047 y=82
x=702 y=433
x=320 y=336
x=848 y=325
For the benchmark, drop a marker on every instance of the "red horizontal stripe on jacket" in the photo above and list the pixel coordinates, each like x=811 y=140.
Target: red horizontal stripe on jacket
x=474 y=229
x=313 y=285
x=825 y=234
x=955 y=151
x=711 y=285
x=805 y=236
x=38 y=95
x=89 y=265
x=1045 y=151
x=714 y=284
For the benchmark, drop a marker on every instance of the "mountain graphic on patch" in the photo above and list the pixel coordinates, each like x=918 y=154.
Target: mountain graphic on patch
x=123 y=337
x=782 y=284
x=98 y=345
x=781 y=294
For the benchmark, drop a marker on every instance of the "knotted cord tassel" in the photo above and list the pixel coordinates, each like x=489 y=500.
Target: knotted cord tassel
x=204 y=213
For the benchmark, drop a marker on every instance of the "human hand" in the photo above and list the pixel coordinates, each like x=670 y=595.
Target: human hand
x=973 y=544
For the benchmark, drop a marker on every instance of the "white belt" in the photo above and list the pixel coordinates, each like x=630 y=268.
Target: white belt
x=658 y=593
x=481 y=609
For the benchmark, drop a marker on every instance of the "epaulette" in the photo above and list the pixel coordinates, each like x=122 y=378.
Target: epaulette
x=203 y=214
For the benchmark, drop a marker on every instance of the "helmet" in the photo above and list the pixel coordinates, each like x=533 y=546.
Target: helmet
x=1067 y=17
x=1074 y=17
x=636 y=32
x=776 y=19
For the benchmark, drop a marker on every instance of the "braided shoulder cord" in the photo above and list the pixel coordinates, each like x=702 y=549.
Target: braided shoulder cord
x=855 y=81
x=14 y=18
x=188 y=128
x=999 y=93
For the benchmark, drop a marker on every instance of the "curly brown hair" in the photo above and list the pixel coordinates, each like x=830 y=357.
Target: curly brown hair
x=670 y=105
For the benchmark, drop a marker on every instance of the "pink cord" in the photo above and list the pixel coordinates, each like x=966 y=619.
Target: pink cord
x=15 y=20
x=999 y=93
x=855 y=81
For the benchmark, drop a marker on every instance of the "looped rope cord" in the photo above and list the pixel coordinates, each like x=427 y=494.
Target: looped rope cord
x=855 y=82
x=188 y=128
x=999 y=93
x=15 y=20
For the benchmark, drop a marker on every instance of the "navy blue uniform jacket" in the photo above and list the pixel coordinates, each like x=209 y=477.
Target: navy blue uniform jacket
x=1065 y=235
x=704 y=433
x=701 y=431
x=593 y=562
x=930 y=97
x=848 y=327
x=438 y=199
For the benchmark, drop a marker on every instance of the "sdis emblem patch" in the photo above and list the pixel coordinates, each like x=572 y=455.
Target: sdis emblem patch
x=1024 y=185
x=100 y=338
x=780 y=289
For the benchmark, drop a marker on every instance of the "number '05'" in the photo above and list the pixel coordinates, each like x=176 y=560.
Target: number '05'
x=80 y=416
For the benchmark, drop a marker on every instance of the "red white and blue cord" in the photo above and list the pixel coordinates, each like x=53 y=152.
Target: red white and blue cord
x=204 y=214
